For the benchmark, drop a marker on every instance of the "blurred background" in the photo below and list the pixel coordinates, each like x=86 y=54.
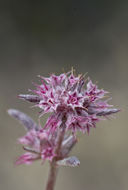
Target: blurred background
x=44 y=37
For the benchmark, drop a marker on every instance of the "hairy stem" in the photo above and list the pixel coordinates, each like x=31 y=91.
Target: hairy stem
x=53 y=165
x=52 y=176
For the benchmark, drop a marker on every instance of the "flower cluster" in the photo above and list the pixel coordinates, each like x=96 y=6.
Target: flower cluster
x=74 y=103
x=65 y=95
x=38 y=143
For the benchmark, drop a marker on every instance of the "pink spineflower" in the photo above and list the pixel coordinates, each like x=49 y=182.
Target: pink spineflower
x=80 y=101
x=74 y=105
x=39 y=145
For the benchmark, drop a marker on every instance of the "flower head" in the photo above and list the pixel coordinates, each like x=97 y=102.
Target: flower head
x=39 y=145
x=79 y=100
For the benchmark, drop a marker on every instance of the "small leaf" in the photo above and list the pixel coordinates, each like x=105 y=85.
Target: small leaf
x=23 y=119
x=30 y=98
x=68 y=144
x=28 y=149
x=70 y=161
x=108 y=112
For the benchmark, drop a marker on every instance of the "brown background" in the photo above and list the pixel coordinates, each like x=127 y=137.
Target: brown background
x=43 y=37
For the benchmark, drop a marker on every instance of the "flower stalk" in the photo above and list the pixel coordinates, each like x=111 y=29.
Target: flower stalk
x=53 y=164
x=52 y=176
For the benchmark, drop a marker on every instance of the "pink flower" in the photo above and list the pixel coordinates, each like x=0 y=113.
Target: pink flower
x=48 y=153
x=65 y=95
x=39 y=145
